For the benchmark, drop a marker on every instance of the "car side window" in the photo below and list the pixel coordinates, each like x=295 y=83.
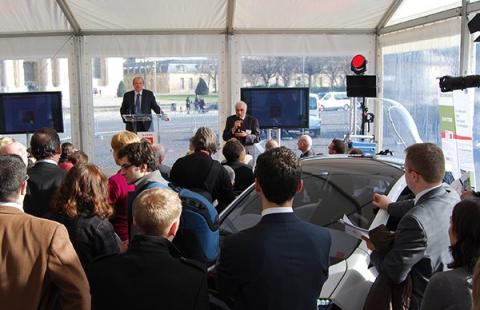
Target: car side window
x=325 y=198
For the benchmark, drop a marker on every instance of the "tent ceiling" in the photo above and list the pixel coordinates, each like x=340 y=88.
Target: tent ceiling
x=30 y=17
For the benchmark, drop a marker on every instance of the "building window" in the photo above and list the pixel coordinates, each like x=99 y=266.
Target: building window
x=182 y=83
x=190 y=83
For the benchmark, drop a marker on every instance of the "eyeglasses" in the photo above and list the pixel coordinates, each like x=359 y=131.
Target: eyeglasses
x=125 y=166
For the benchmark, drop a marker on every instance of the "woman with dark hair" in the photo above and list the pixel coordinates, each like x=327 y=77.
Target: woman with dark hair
x=453 y=289
x=81 y=205
x=234 y=153
x=67 y=150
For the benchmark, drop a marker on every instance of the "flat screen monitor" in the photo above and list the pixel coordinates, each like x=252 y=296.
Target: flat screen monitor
x=278 y=107
x=27 y=112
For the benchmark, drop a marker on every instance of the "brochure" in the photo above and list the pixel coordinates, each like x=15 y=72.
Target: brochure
x=352 y=229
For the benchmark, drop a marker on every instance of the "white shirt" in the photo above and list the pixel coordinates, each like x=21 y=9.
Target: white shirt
x=277 y=210
x=419 y=195
x=11 y=204
x=50 y=161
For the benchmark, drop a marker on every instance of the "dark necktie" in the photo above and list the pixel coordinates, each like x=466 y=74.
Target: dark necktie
x=138 y=105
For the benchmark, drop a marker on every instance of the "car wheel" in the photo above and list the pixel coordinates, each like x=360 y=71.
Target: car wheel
x=346 y=107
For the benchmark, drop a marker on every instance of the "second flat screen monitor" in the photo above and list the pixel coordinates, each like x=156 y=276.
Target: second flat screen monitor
x=278 y=107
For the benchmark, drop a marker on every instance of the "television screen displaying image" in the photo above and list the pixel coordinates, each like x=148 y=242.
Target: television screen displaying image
x=278 y=107
x=27 y=112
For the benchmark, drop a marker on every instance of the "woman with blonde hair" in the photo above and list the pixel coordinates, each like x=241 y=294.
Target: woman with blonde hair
x=81 y=205
x=118 y=187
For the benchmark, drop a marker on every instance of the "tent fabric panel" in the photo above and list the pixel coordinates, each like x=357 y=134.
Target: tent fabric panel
x=309 y=14
x=305 y=45
x=22 y=16
x=149 y=14
x=36 y=47
x=419 y=37
x=154 y=46
x=411 y=9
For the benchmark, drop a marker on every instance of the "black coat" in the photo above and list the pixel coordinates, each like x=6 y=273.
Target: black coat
x=280 y=263
x=147 y=105
x=90 y=236
x=192 y=170
x=45 y=179
x=150 y=275
x=250 y=123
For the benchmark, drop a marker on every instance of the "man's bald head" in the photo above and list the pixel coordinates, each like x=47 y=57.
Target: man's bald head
x=15 y=148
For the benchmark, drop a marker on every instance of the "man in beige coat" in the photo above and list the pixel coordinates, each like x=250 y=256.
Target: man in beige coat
x=39 y=268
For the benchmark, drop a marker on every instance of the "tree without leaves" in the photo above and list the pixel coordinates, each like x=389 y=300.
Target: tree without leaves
x=288 y=68
x=121 y=89
x=210 y=68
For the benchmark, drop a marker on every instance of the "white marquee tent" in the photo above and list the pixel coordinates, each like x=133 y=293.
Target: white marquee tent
x=81 y=30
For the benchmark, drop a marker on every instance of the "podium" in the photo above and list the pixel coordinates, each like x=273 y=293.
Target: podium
x=144 y=125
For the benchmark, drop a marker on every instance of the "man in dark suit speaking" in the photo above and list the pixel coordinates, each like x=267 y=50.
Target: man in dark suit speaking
x=242 y=126
x=140 y=101
x=282 y=262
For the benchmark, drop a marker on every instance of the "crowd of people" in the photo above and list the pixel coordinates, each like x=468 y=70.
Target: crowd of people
x=94 y=238
x=73 y=238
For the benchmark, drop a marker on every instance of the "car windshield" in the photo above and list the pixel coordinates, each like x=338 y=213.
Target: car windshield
x=332 y=187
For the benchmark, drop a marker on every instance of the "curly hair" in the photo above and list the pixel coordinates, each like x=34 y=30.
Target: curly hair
x=464 y=223
x=84 y=191
x=205 y=139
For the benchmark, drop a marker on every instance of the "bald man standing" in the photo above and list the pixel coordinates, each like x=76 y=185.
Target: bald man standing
x=305 y=146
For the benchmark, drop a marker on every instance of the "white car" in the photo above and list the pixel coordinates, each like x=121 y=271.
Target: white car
x=334 y=186
x=335 y=101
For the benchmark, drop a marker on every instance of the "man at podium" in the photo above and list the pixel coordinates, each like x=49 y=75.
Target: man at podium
x=139 y=102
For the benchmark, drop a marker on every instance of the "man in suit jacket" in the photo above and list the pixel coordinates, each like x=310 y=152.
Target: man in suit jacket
x=151 y=274
x=305 y=146
x=421 y=243
x=39 y=267
x=139 y=101
x=242 y=126
x=282 y=262
x=45 y=175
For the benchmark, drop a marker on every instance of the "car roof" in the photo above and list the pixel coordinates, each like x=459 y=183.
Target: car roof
x=351 y=165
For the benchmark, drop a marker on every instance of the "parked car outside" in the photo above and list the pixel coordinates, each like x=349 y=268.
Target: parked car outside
x=333 y=186
x=335 y=101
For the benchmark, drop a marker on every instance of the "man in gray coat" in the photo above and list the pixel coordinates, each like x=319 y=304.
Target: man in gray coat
x=420 y=247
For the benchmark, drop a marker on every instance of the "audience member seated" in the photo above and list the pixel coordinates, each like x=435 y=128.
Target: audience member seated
x=81 y=205
x=282 y=262
x=337 y=146
x=78 y=158
x=15 y=148
x=39 y=267
x=271 y=144
x=151 y=274
x=5 y=141
x=137 y=162
x=234 y=153
x=452 y=289
x=118 y=188
x=304 y=144
x=200 y=173
x=67 y=150
x=159 y=159
x=45 y=175
x=356 y=151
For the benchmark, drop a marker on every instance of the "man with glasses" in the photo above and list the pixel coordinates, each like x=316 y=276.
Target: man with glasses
x=241 y=126
x=138 y=166
x=421 y=242
x=39 y=267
